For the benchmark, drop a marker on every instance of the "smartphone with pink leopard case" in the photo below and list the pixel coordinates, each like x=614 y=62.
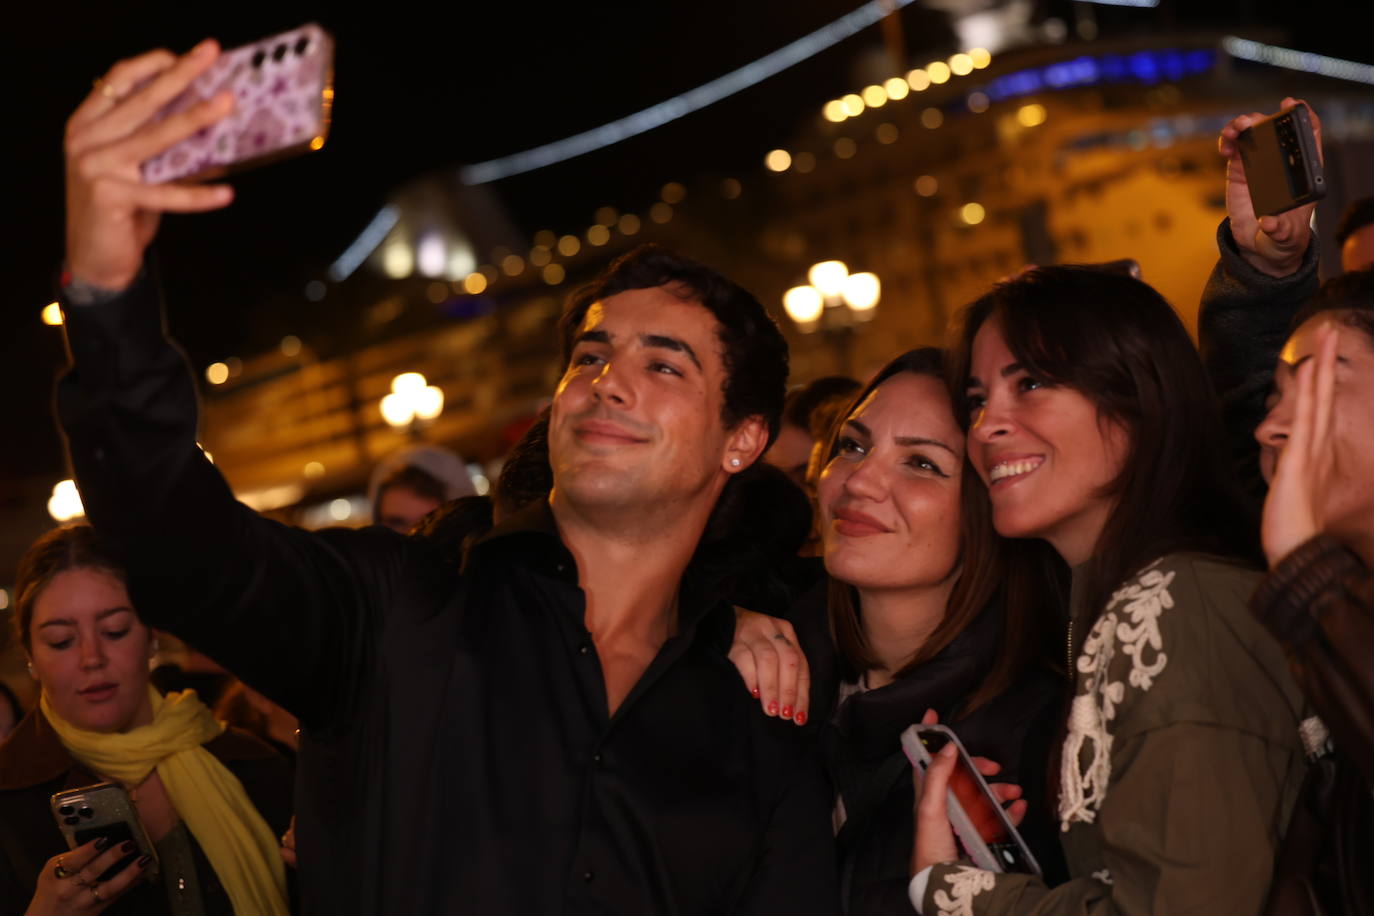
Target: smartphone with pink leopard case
x=283 y=90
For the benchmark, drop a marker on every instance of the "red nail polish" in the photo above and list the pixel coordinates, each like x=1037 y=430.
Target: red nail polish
x=773 y=708
x=787 y=712
x=801 y=718
x=755 y=692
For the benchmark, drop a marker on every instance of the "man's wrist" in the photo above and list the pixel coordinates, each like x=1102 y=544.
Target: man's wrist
x=78 y=291
x=1271 y=267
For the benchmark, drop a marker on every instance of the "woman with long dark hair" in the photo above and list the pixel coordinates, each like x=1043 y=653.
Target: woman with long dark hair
x=1094 y=429
x=923 y=609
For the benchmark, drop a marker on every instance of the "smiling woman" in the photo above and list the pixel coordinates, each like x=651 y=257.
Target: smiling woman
x=99 y=720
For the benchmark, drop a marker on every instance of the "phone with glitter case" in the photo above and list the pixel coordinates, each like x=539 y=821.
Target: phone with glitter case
x=283 y=90
x=103 y=810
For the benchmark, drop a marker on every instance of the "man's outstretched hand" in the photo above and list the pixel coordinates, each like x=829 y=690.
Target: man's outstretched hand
x=112 y=215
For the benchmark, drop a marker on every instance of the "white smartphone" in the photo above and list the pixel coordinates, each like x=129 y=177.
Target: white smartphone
x=981 y=825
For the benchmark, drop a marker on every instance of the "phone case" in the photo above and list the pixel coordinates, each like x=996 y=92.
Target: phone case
x=283 y=91
x=1282 y=167
x=103 y=809
x=964 y=829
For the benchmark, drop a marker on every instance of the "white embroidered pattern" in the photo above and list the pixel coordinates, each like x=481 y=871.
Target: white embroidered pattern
x=1104 y=876
x=1130 y=621
x=964 y=884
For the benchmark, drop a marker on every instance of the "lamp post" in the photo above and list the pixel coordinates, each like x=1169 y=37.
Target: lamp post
x=834 y=302
x=412 y=403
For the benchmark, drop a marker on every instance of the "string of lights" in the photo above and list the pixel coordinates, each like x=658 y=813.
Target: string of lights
x=679 y=105
x=1305 y=61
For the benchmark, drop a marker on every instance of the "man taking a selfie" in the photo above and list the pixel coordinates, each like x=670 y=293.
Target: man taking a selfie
x=558 y=729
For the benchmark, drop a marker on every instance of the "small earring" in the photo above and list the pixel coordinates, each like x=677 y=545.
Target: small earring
x=734 y=462
x=32 y=673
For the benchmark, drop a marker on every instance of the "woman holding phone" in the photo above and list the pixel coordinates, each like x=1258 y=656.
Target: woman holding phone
x=213 y=801
x=923 y=609
x=1093 y=430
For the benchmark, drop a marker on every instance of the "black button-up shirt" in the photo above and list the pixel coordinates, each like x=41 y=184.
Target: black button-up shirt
x=457 y=753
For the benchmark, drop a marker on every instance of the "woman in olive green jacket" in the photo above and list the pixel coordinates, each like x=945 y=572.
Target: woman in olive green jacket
x=1093 y=425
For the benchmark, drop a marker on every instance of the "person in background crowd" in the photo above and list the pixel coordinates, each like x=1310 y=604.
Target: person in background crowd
x=10 y=710
x=1181 y=761
x=556 y=728
x=247 y=710
x=791 y=453
x=922 y=611
x=1317 y=451
x=212 y=799
x=1355 y=235
x=411 y=483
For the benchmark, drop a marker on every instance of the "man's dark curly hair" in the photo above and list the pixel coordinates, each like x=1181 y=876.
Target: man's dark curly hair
x=1359 y=214
x=754 y=351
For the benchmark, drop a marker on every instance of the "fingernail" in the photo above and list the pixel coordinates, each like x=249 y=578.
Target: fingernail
x=205 y=45
x=801 y=717
x=103 y=843
x=947 y=750
x=145 y=861
x=127 y=847
x=773 y=708
x=755 y=692
x=787 y=712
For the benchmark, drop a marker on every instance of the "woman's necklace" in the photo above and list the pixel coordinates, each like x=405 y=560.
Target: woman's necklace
x=1068 y=653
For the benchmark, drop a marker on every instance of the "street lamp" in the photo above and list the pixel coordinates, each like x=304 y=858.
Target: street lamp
x=413 y=401
x=833 y=301
x=65 y=502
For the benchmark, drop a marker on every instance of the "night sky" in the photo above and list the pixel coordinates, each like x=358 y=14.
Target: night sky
x=421 y=87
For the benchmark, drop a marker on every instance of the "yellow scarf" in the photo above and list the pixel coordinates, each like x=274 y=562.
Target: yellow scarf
x=240 y=846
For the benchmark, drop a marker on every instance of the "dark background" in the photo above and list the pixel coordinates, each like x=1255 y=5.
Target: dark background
x=422 y=87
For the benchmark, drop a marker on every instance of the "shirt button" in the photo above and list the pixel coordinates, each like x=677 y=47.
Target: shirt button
x=596 y=758
x=584 y=648
x=587 y=876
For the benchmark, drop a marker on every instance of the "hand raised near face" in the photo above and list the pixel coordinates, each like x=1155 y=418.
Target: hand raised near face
x=112 y=215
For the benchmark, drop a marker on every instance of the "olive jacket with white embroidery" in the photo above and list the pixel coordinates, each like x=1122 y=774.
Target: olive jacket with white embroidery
x=1181 y=763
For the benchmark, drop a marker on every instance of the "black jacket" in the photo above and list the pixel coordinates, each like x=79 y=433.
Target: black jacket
x=34 y=765
x=870 y=771
x=456 y=750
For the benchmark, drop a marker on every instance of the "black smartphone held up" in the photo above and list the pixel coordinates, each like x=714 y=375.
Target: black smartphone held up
x=1282 y=166
x=283 y=90
x=103 y=810
x=981 y=825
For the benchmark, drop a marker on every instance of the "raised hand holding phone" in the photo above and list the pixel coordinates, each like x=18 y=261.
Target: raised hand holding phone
x=112 y=213
x=1272 y=244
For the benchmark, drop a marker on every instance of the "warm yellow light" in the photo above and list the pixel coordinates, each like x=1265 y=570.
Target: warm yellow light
x=972 y=214
x=980 y=57
x=804 y=162
x=540 y=255
x=217 y=373
x=845 y=148
x=1031 y=115
x=932 y=118
x=474 y=283
x=803 y=304
x=554 y=274
x=317 y=143
x=206 y=452
x=340 y=509
x=314 y=469
x=672 y=193
x=853 y=105
x=896 y=88
x=886 y=133
x=598 y=235
x=961 y=64
x=546 y=237
x=731 y=189
x=660 y=212
x=606 y=216
x=834 y=111
x=513 y=265
x=396 y=410
x=927 y=185
x=408 y=383
x=52 y=314
x=629 y=224
x=290 y=345
x=65 y=502
x=918 y=80
x=436 y=292
x=938 y=71
x=861 y=291
x=429 y=402
x=398 y=260
x=778 y=160
x=569 y=245
x=874 y=96
x=828 y=277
